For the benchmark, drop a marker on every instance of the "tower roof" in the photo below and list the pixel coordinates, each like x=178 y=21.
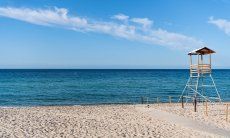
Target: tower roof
x=202 y=51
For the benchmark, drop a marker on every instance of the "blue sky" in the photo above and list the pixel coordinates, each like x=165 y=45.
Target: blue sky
x=111 y=33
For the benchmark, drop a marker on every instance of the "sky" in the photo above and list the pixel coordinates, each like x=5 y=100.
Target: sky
x=111 y=34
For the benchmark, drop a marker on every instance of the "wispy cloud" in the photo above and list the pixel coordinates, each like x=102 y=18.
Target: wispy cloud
x=143 y=21
x=222 y=24
x=130 y=29
x=121 y=17
x=46 y=17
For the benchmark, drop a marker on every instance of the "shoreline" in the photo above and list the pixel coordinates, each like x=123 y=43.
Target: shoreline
x=102 y=104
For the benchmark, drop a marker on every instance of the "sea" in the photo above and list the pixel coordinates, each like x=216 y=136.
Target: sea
x=48 y=87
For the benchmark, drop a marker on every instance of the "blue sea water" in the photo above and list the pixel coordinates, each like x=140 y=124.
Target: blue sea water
x=76 y=87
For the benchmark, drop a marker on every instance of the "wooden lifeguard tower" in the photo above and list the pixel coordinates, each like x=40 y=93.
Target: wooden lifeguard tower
x=200 y=85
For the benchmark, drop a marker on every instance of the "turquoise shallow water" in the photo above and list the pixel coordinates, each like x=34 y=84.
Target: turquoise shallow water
x=74 y=87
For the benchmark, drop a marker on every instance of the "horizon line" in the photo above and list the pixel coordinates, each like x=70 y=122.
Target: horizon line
x=104 y=68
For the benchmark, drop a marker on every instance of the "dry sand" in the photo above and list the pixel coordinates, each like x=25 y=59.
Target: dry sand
x=215 y=114
x=94 y=121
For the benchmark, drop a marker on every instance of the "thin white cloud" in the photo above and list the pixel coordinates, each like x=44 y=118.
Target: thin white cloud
x=47 y=17
x=121 y=17
x=222 y=24
x=143 y=21
x=131 y=31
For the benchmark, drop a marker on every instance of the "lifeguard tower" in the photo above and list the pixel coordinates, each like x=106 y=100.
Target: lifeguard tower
x=200 y=85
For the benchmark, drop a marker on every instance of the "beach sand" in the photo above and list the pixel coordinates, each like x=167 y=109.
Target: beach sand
x=101 y=121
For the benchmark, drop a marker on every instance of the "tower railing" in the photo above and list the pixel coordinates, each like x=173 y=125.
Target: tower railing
x=200 y=69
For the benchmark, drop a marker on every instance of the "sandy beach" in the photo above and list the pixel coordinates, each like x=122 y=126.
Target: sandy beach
x=107 y=121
